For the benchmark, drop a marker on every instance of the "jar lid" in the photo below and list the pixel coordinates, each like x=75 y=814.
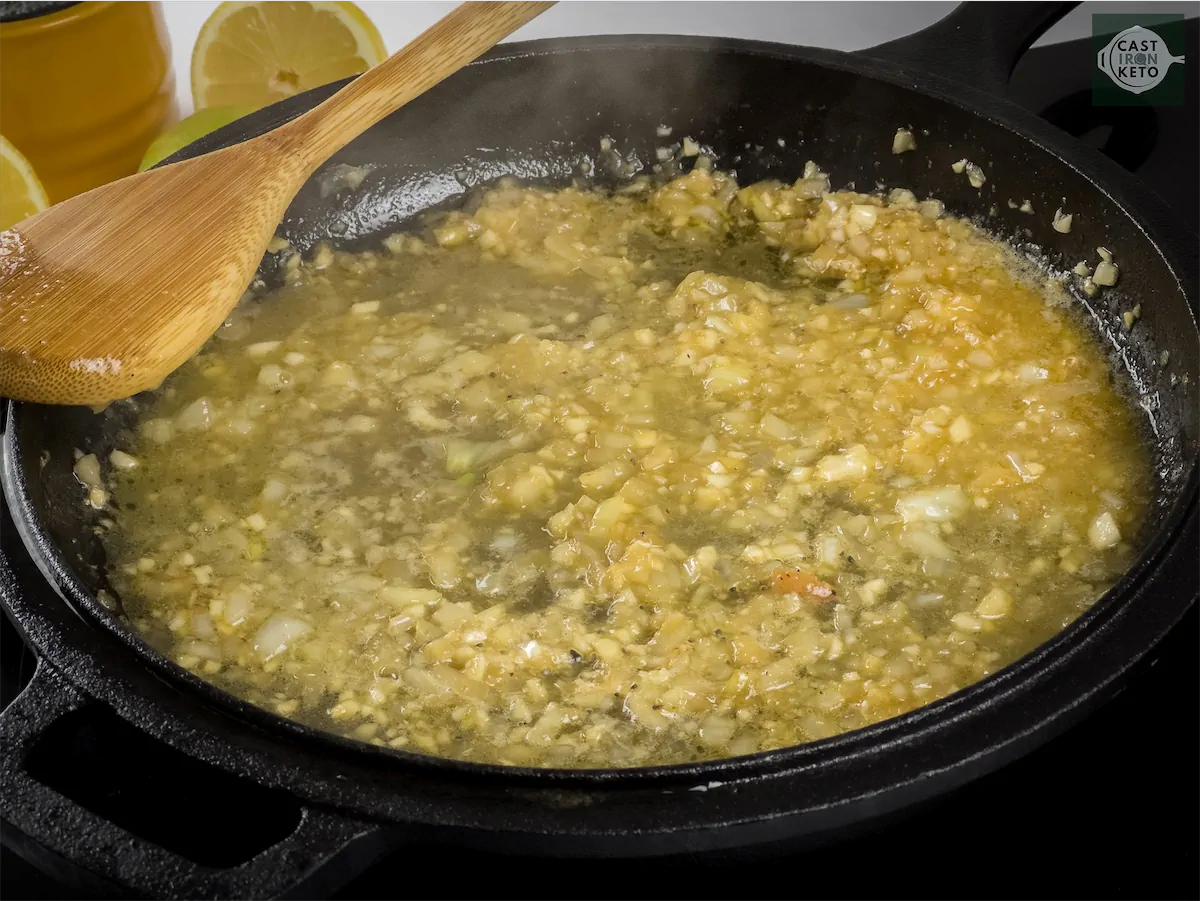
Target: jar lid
x=14 y=12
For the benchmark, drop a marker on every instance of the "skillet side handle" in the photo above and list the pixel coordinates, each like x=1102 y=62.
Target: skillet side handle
x=978 y=44
x=57 y=835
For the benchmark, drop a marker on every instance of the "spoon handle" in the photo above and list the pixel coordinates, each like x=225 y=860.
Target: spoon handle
x=449 y=44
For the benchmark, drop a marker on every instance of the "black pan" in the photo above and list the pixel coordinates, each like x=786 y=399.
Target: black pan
x=319 y=807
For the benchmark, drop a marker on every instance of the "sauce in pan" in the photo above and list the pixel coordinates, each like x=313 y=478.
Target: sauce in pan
x=671 y=474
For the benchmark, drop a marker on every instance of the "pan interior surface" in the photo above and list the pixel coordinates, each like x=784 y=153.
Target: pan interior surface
x=545 y=117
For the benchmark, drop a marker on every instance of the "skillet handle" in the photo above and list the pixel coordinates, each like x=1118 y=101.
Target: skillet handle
x=978 y=44
x=66 y=839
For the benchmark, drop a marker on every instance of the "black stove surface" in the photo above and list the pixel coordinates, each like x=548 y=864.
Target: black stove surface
x=1109 y=810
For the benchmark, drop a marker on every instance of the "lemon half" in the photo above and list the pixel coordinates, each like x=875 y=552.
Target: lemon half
x=21 y=194
x=253 y=54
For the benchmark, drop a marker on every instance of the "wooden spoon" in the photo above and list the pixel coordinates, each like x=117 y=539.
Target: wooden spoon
x=105 y=294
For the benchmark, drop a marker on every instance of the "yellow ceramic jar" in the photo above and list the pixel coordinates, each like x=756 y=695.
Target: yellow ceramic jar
x=84 y=88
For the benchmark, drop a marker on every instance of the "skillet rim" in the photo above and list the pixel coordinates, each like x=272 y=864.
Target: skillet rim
x=1167 y=237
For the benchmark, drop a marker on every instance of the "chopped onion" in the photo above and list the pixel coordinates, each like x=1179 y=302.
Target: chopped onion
x=272 y=376
x=811 y=188
x=961 y=430
x=237 y=606
x=504 y=543
x=829 y=549
x=202 y=625
x=853 y=464
x=87 y=470
x=982 y=359
x=1018 y=463
x=775 y=427
x=262 y=348
x=717 y=730
x=274 y=490
x=903 y=141
x=851 y=302
x=160 y=431
x=1106 y=274
x=197 y=416
x=278 y=633
x=1103 y=532
x=202 y=649
x=931 y=209
x=340 y=176
x=120 y=460
x=462 y=456
x=864 y=215
x=995 y=604
x=936 y=504
x=926 y=544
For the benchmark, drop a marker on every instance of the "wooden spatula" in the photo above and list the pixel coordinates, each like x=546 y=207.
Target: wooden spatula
x=104 y=295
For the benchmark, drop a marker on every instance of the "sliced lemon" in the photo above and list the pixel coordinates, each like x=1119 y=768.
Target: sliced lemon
x=251 y=54
x=21 y=194
x=193 y=128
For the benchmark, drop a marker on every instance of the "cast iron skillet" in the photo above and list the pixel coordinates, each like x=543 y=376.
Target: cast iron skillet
x=537 y=110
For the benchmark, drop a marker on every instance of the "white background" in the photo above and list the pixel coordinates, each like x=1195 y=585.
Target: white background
x=837 y=25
